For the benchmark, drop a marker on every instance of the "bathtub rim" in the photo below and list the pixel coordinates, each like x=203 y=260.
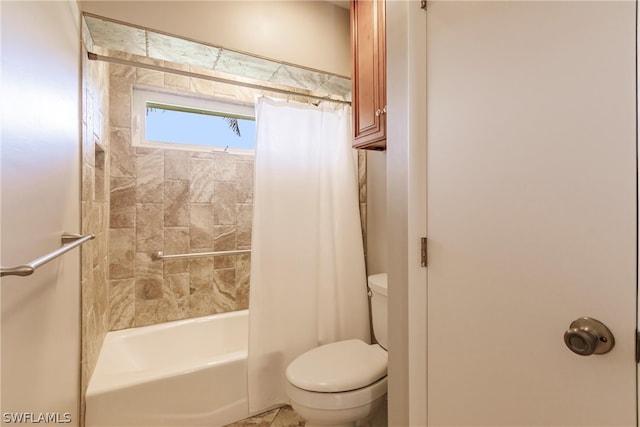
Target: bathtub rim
x=102 y=382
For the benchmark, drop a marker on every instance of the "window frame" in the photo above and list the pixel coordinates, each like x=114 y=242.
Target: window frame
x=184 y=102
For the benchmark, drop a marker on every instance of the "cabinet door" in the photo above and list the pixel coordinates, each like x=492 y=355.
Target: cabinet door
x=369 y=80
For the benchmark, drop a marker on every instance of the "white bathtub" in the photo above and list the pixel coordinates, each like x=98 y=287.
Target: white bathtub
x=186 y=373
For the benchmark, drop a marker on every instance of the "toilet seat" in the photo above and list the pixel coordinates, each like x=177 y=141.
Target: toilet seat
x=338 y=367
x=337 y=401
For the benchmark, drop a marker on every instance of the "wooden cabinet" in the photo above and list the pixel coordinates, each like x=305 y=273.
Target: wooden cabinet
x=368 y=74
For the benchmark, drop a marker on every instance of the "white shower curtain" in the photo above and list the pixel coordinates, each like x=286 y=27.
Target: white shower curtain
x=308 y=280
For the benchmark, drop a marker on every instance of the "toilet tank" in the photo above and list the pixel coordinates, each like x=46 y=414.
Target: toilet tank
x=378 y=288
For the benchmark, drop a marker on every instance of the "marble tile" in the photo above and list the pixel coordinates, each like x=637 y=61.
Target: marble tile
x=174 y=308
x=116 y=36
x=181 y=51
x=202 y=86
x=224 y=261
x=201 y=304
x=88 y=182
x=120 y=102
x=201 y=190
x=224 y=290
x=243 y=275
x=176 y=241
x=244 y=222
x=147 y=312
x=121 y=253
x=149 y=77
x=176 y=81
x=176 y=203
x=201 y=227
x=123 y=160
x=224 y=205
x=298 y=77
x=279 y=417
x=101 y=292
x=149 y=178
x=287 y=417
x=177 y=165
x=337 y=85
x=224 y=237
x=224 y=167
x=235 y=63
x=176 y=285
x=149 y=227
x=175 y=266
x=262 y=420
x=244 y=181
x=122 y=206
x=201 y=275
x=120 y=70
x=362 y=176
x=148 y=278
x=121 y=304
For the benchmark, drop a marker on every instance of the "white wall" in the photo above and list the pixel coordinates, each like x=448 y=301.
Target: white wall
x=40 y=321
x=313 y=34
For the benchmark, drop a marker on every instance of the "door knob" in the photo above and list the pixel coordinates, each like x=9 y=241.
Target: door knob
x=587 y=336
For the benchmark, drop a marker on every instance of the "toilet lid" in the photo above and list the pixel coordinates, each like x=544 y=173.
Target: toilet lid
x=339 y=366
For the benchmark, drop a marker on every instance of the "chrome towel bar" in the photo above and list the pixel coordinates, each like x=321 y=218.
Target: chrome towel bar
x=69 y=241
x=159 y=256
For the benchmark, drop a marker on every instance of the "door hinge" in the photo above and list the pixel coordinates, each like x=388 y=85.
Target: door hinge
x=423 y=4
x=637 y=346
x=423 y=251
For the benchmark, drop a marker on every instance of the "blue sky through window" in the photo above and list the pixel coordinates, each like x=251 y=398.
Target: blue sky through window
x=191 y=127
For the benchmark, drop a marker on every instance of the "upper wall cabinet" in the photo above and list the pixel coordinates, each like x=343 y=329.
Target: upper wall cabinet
x=369 y=74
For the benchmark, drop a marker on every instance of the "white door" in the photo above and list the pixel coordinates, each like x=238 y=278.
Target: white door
x=40 y=199
x=531 y=211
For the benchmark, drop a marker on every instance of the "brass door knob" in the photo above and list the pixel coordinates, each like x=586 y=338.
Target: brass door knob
x=587 y=336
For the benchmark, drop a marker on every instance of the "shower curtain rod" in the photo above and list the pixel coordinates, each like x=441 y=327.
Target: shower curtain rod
x=96 y=57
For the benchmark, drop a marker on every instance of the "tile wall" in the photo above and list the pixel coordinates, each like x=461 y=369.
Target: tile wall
x=178 y=202
x=95 y=214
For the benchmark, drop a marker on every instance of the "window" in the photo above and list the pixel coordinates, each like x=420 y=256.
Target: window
x=166 y=120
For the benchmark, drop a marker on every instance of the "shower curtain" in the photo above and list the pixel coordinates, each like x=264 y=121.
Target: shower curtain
x=308 y=280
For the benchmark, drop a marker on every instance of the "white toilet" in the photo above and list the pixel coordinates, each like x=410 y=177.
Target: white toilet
x=343 y=383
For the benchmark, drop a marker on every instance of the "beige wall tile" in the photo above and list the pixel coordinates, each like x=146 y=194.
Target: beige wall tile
x=224 y=237
x=177 y=165
x=225 y=167
x=201 y=227
x=123 y=160
x=201 y=275
x=201 y=190
x=149 y=177
x=121 y=304
x=244 y=220
x=119 y=102
x=121 y=253
x=224 y=204
x=149 y=277
x=122 y=203
x=176 y=203
x=149 y=227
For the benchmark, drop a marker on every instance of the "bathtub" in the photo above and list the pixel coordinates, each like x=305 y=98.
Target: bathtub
x=185 y=373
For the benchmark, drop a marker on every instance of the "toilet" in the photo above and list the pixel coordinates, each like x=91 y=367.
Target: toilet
x=345 y=382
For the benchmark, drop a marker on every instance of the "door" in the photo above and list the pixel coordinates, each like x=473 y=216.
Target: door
x=531 y=211
x=40 y=199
